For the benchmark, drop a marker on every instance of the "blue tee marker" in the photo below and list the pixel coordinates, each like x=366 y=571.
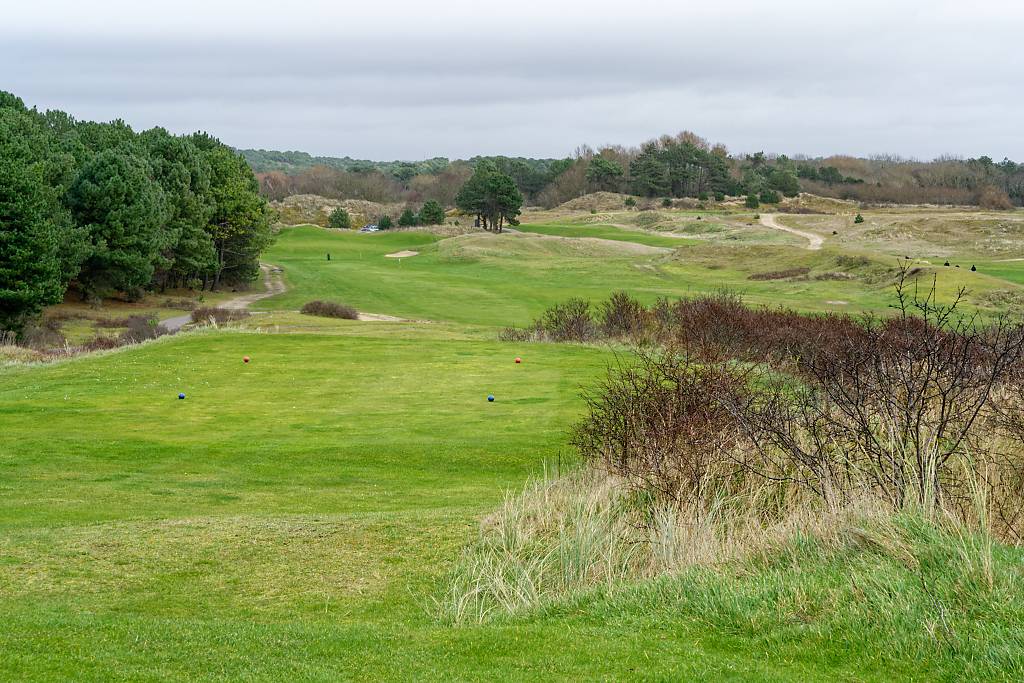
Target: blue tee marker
x=181 y=396
x=490 y=397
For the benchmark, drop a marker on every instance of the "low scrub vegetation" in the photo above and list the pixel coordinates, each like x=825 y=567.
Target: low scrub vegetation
x=761 y=439
x=141 y=328
x=219 y=316
x=786 y=274
x=330 y=309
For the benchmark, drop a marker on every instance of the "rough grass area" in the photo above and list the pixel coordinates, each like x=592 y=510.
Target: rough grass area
x=875 y=592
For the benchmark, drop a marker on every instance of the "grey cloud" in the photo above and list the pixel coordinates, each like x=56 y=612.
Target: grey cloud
x=879 y=79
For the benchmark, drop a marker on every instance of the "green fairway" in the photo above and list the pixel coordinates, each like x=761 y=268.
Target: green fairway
x=605 y=232
x=509 y=279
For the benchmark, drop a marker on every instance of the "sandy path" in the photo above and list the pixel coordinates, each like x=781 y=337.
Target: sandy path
x=273 y=284
x=768 y=220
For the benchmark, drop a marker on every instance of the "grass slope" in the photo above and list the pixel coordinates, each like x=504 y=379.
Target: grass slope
x=294 y=518
x=289 y=518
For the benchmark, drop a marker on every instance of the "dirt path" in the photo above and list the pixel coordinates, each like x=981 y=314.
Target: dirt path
x=768 y=220
x=273 y=284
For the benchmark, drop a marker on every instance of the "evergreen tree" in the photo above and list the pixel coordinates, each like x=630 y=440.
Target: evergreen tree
x=340 y=219
x=32 y=227
x=604 y=174
x=407 y=219
x=240 y=225
x=184 y=176
x=491 y=196
x=123 y=211
x=432 y=213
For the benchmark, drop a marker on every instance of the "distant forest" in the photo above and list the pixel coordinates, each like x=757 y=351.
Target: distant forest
x=683 y=165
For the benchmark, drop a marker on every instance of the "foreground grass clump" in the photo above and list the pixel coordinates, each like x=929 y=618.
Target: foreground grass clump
x=897 y=591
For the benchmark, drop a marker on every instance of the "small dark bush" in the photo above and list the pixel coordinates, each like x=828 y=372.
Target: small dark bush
x=102 y=344
x=569 y=321
x=516 y=334
x=339 y=219
x=46 y=334
x=622 y=315
x=141 y=328
x=780 y=274
x=330 y=309
x=219 y=315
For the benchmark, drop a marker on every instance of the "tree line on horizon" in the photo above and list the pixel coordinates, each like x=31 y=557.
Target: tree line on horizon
x=678 y=166
x=107 y=211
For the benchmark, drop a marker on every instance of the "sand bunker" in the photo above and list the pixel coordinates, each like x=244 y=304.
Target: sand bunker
x=402 y=254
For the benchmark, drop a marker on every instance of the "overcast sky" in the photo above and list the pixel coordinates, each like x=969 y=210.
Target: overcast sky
x=389 y=79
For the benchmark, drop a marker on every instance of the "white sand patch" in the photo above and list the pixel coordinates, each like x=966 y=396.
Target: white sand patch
x=838 y=303
x=402 y=254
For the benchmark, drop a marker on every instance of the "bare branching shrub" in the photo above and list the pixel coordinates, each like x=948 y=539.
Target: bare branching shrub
x=892 y=408
x=44 y=335
x=218 y=315
x=102 y=343
x=141 y=328
x=330 y=309
x=518 y=334
x=623 y=316
x=922 y=410
x=569 y=321
x=663 y=424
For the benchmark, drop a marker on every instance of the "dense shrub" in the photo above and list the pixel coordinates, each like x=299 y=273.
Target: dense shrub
x=751 y=202
x=769 y=197
x=330 y=309
x=921 y=410
x=994 y=198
